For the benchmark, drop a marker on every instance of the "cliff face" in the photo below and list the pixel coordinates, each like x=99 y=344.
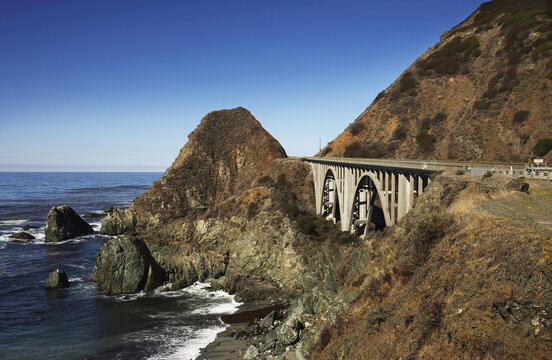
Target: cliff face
x=484 y=92
x=225 y=154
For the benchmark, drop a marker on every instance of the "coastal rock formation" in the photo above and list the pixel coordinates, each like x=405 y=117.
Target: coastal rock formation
x=57 y=279
x=92 y=215
x=225 y=155
x=126 y=266
x=64 y=223
x=30 y=227
x=22 y=236
x=118 y=221
x=482 y=93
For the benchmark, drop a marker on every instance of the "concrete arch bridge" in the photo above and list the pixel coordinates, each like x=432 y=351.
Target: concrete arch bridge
x=362 y=195
x=373 y=193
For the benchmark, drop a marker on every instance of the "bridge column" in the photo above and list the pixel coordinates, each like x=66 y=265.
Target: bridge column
x=317 y=172
x=332 y=197
x=348 y=199
x=392 y=208
x=420 y=185
x=386 y=192
x=402 y=196
x=362 y=206
x=409 y=193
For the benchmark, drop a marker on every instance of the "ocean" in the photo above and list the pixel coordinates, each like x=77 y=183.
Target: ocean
x=79 y=322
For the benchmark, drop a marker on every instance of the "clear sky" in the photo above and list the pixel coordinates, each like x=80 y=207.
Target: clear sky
x=117 y=85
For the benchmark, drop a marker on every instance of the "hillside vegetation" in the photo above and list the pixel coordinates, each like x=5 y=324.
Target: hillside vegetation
x=484 y=92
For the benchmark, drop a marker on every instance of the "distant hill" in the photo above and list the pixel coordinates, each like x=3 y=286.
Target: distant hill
x=484 y=92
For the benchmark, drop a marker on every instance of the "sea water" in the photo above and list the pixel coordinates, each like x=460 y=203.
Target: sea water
x=79 y=322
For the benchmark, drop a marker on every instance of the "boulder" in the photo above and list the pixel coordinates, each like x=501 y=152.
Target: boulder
x=126 y=266
x=109 y=210
x=22 y=236
x=268 y=320
x=92 y=215
x=30 y=227
x=518 y=185
x=251 y=353
x=288 y=332
x=118 y=222
x=63 y=223
x=57 y=280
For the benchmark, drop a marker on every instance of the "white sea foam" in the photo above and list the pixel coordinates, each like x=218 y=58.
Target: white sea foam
x=188 y=347
x=186 y=343
x=12 y=222
x=76 y=266
x=126 y=297
x=76 y=279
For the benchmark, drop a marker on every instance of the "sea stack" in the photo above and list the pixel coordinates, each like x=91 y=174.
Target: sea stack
x=57 y=280
x=63 y=223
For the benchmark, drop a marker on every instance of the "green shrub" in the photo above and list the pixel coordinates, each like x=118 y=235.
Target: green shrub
x=481 y=104
x=326 y=150
x=356 y=128
x=485 y=27
x=399 y=133
x=407 y=82
x=380 y=96
x=541 y=49
x=521 y=116
x=358 y=150
x=439 y=117
x=543 y=146
x=519 y=18
x=426 y=141
x=265 y=180
x=490 y=10
x=314 y=225
x=448 y=59
x=425 y=125
x=291 y=209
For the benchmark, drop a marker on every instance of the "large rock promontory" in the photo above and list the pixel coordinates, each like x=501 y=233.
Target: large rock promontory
x=63 y=223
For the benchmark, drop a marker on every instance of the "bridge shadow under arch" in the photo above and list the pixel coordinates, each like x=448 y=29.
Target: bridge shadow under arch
x=367 y=210
x=330 y=198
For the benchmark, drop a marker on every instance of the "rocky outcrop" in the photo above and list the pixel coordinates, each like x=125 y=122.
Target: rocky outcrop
x=118 y=221
x=30 y=227
x=225 y=155
x=518 y=185
x=64 y=223
x=22 y=236
x=57 y=279
x=126 y=266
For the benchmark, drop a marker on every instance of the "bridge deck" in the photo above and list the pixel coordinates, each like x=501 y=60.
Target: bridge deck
x=429 y=166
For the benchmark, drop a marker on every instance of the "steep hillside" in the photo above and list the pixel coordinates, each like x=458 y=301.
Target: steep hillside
x=465 y=275
x=484 y=92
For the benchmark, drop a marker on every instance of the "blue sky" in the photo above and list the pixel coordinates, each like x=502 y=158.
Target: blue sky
x=118 y=85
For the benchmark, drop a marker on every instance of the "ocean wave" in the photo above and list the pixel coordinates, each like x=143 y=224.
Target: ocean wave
x=179 y=344
x=109 y=188
x=126 y=297
x=76 y=266
x=13 y=222
x=76 y=279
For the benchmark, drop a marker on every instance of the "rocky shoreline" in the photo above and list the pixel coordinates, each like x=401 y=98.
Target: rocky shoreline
x=233 y=211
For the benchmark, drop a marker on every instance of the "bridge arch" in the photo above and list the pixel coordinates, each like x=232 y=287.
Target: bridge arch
x=369 y=205
x=330 y=197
